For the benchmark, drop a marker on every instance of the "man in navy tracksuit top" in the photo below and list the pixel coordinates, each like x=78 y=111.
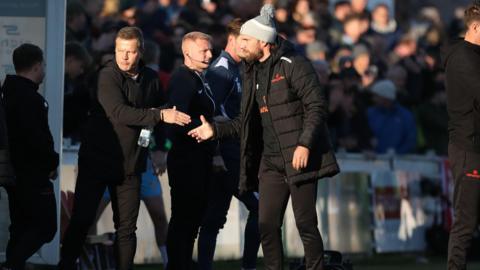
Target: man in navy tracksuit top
x=224 y=79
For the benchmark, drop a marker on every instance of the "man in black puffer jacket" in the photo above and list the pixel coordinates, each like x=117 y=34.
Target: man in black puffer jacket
x=284 y=140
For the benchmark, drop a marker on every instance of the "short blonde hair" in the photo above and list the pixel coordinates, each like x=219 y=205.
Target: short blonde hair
x=194 y=36
x=132 y=32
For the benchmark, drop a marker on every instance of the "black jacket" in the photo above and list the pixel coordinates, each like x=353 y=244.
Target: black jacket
x=462 y=66
x=190 y=93
x=298 y=112
x=30 y=141
x=121 y=107
x=6 y=170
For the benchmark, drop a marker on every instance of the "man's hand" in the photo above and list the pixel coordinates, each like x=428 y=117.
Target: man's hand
x=203 y=132
x=172 y=116
x=159 y=162
x=53 y=175
x=300 y=157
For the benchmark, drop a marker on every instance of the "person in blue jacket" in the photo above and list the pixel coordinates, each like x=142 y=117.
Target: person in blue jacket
x=393 y=125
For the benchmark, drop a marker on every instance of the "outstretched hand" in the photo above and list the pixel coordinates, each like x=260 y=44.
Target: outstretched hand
x=172 y=116
x=203 y=132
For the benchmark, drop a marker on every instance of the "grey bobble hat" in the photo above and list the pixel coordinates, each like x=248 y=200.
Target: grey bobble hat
x=261 y=27
x=385 y=89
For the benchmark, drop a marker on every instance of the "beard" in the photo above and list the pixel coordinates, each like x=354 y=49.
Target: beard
x=251 y=57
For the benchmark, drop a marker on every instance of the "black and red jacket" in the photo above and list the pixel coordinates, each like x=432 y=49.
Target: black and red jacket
x=298 y=112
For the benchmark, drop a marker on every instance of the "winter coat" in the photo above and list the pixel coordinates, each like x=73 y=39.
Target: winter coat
x=298 y=111
x=121 y=107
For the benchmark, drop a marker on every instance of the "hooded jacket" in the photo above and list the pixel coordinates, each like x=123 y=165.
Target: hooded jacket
x=31 y=144
x=121 y=107
x=462 y=64
x=298 y=112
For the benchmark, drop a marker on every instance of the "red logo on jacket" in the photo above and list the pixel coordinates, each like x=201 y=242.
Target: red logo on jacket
x=473 y=174
x=277 y=78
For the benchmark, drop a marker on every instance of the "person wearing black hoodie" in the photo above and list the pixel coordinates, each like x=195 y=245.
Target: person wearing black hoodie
x=32 y=205
x=127 y=106
x=462 y=64
x=284 y=142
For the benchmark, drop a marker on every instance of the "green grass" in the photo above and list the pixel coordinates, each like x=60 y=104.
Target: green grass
x=374 y=262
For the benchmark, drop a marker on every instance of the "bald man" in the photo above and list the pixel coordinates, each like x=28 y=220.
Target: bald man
x=189 y=163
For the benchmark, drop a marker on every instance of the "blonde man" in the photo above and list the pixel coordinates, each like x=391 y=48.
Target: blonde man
x=189 y=164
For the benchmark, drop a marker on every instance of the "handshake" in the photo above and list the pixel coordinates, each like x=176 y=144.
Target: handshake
x=172 y=116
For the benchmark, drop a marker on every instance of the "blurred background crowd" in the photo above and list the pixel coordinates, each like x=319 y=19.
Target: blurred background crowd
x=379 y=64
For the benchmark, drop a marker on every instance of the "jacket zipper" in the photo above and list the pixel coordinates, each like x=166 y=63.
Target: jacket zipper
x=269 y=78
x=207 y=91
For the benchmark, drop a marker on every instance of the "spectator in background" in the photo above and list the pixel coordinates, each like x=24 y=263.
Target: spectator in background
x=323 y=71
x=316 y=51
x=348 y=119
x=76 y=23
x=352 y=31
x=304 y=36
x=384 y=26
x=360 y=7
x=341 y=10
x=303 y=13
x=31 y=201
x=152 y=60
x=405 y=55
x=284 y=21
x=398 y=75
x=105 y=40
x=393 y=126
x=76 y=95
x=363 y=65
x=433 y=119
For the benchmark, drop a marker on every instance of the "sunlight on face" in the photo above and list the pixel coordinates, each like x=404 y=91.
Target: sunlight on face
x=127 y=54
x=250 y=48
x=199 y=52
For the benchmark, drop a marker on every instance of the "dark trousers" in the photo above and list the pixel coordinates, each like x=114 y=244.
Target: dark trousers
x=274 y=193
x=466 y=202
x=125 y=199
x=224 y=187
x=189 y=176
x=33 y=220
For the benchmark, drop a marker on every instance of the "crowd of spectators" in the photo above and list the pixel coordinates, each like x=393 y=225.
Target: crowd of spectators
x=383 y=78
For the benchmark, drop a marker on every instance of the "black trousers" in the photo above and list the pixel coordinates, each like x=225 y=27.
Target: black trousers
x=223 y=188
x=189 y=176
x=125 y=199
x=33 y=220
x=466 y=202
x=274 y=193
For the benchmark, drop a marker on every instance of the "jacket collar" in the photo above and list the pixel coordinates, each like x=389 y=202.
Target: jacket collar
x=20 y=83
